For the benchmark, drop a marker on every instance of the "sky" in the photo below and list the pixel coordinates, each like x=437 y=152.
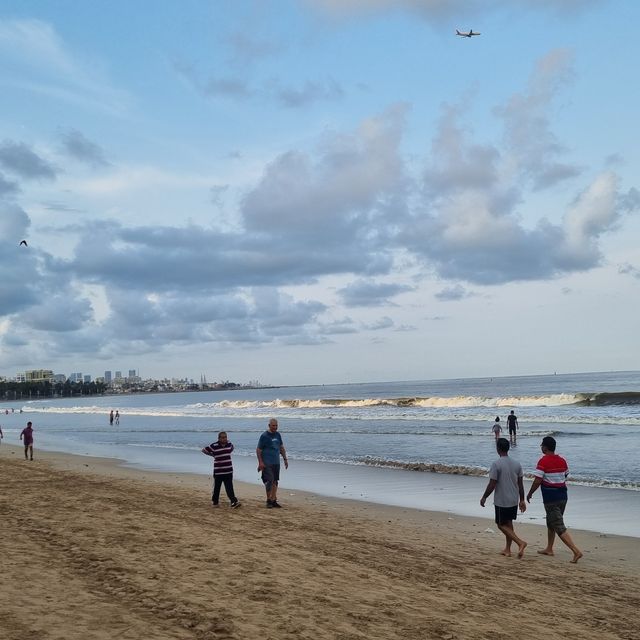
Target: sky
x=319 y=191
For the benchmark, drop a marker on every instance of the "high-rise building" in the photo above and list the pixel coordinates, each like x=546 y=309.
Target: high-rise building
x=38 y=375
x=86 y=379
x=75 y=377
x=132 y=373
x=107 y=377
x=118 y=375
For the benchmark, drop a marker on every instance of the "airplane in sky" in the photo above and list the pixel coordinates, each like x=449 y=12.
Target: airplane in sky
x=467 y=35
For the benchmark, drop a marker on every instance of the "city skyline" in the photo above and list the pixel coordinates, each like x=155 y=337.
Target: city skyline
x=326 y=192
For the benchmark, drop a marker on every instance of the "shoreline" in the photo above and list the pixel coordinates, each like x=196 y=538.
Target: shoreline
x=607 y=511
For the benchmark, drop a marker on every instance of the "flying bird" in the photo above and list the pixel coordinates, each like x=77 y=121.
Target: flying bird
x=23 y=242
x=467 y=35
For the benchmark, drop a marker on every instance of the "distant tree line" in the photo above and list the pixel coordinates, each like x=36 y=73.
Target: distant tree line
x=11 y=390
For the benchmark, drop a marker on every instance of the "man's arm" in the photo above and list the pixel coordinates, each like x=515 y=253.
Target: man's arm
x=488 y=491
x=261 y=464
x=523 y=504
x=283 y=453
x=534 y=487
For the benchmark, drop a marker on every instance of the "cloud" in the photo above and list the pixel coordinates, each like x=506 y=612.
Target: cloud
x=8 y=188
x=467 y=226
x=628 y=269
x=338 y=327
x=383 y=323
x=247 y=49
x=76 y=145
x=334 y=205
x=364 y=293
x=531 y=144
x=437 y=11
x=20 y=159
x=309 y=93
x=33 y=49
x=59 y=312
x=456 y=292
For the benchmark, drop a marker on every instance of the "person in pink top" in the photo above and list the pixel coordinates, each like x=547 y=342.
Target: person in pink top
x=27 y=438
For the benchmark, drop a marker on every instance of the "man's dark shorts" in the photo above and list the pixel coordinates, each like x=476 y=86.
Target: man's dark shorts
x=512 y=431
x=555 y=512
x=504 y=515
x=270 y=475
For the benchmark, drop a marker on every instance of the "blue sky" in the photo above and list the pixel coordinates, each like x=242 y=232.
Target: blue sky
x=319 y=191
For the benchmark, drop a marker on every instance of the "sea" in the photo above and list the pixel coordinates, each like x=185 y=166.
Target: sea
x=417 y=444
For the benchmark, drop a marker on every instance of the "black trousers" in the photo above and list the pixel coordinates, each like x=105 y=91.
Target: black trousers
x=218 y=481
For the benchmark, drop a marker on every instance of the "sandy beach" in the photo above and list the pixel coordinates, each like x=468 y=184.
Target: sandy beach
x=91 y=549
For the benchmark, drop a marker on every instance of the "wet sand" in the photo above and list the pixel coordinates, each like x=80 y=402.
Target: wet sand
x=95 y=550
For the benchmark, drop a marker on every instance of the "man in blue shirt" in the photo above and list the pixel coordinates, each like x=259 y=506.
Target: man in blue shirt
x=269 y=450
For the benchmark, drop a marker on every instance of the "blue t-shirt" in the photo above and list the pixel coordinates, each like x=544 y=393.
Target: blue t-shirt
x=270 y=444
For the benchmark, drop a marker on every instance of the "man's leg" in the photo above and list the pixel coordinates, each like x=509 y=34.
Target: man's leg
x=217 y=483
x=26 y=451
x=228 y=487
x=568 y=540
x=510 y=535
x=31 y=451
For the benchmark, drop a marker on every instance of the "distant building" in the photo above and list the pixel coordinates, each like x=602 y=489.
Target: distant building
x=20 y=377
x=86 y=379
x=59 y=377
x=132 y=373
x=38 y=375
x=75 y=377
x=118 y=375
x=107 y=377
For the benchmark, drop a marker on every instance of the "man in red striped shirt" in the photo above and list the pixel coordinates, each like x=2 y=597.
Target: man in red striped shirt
x=551 y=473
x=220 y=451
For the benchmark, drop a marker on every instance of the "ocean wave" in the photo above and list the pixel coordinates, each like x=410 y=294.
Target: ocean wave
x=468 y=470
x=608 y=398
x=426 y=402
x=432 y=467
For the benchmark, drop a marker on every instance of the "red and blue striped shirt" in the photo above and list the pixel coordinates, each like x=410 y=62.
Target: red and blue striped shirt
x=553 y=470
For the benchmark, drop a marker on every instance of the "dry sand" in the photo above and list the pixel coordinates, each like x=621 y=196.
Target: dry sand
x=91 y=550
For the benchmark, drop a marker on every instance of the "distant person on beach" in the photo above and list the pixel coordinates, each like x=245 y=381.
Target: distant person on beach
x=1 y=434
x=111 y=417
x=497 y=429
x=551 y=473
x=505 y=478
x=27 y=439
x=117 y=417
x=220 y=451
x=512 y=423
x=269 y=450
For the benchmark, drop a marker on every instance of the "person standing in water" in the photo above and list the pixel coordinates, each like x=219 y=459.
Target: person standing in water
x=512 y=423
x=497 y=429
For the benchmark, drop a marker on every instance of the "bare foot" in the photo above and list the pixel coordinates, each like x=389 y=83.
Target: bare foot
x=521 y=548
x=576 y=557
x=545 y=552
x=505 y=552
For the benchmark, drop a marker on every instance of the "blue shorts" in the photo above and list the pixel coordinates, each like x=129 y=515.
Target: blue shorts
x=271 y=475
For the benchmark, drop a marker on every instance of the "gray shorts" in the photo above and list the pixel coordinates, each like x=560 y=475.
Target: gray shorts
x=270 y=475
x=555 y=513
